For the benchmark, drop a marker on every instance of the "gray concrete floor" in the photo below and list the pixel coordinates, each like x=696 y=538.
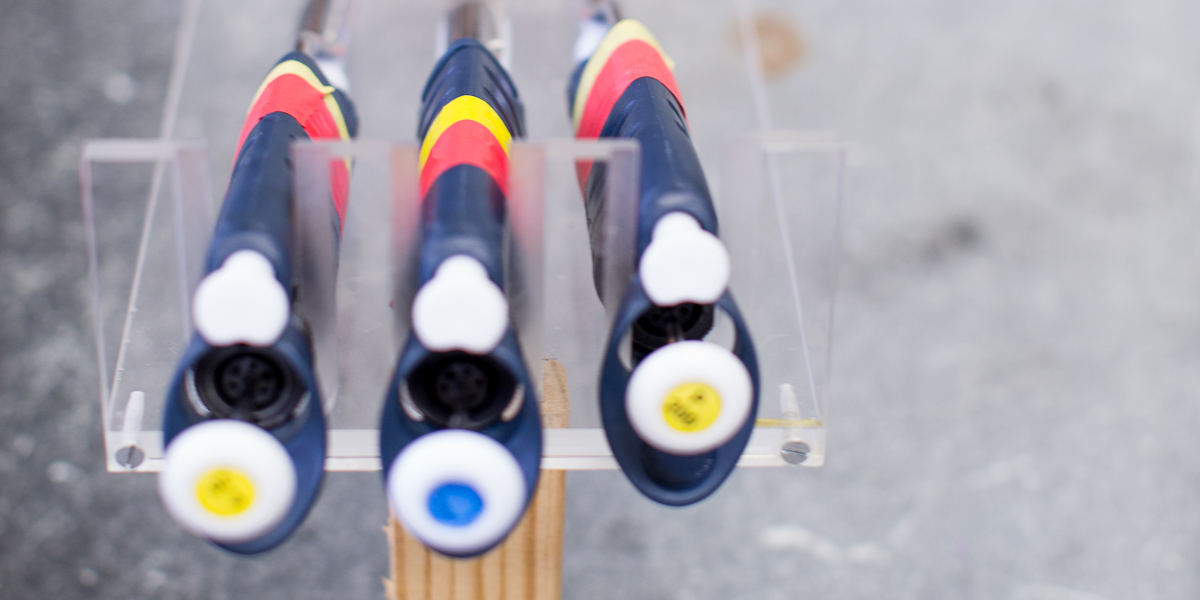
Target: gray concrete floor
x=1015 y=373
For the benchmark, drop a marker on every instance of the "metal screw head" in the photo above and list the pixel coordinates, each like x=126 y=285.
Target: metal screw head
x=794 y=452
x=130 y=456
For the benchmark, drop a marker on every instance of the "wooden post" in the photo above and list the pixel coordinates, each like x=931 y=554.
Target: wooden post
x=527 y=566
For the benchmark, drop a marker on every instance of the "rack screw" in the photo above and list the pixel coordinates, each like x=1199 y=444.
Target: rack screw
x=794 y=452
x=130 y=456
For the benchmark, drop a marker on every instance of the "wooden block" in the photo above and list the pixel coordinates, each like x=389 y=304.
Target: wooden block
x=547 y=511
x=550 y=503
x=516 y=551
x=556 y=403
x=465 y=575
x=441 y=577
x=416 y=558
x=392 y=531
x=491 y=576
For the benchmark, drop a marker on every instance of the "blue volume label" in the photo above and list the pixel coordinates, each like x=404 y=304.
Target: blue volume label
x=455 y=504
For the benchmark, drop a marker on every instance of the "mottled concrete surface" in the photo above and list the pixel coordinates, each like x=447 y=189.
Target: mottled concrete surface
x=1014 y=398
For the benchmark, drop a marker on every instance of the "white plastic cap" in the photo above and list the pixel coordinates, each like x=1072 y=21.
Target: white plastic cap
x=688 y=397
x=591 y=33
x=457 y=491
x=228 y=481
x=683 y=263
x=334 y=69
x=241 y=302
x=460 y=308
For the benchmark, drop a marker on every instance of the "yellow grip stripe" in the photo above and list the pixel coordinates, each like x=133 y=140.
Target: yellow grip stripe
x=625 y=30
x=464 y=108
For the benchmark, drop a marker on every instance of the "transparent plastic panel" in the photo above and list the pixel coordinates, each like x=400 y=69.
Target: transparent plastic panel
x=358 y=283
x=780 y=205
x=560 y=315
x=147 y=215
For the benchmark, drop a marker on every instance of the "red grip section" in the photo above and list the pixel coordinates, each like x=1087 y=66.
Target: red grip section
x=628 y=63
x=466 y=142
x=292 y=95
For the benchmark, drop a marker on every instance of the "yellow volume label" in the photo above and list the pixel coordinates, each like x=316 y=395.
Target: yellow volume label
x=691 y=407
x=225 y=492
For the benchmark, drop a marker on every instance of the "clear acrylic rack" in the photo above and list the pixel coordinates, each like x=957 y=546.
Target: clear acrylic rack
x=149 y=211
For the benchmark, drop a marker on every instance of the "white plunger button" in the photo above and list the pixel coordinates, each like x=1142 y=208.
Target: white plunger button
x=688 y=397
x=460 y=308
x=241 y=302
x=683 y=263
x=457 y=491
x=227 y=481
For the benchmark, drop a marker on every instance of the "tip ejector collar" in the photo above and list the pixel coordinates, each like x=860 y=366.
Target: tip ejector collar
x=227 y=481
x=689 y=397
x=458 y=491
